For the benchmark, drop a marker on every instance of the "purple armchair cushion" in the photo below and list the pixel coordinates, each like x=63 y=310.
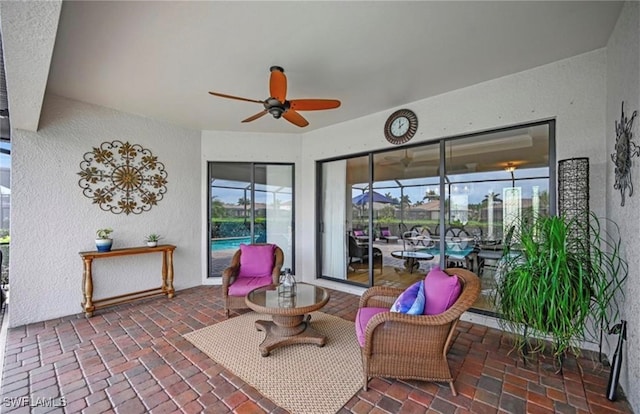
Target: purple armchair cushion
x=358 y=233
x=256 y=260
x=441 y=291
x=244 y=285
x=411 y=301
x=362 y=319
x=385 y=232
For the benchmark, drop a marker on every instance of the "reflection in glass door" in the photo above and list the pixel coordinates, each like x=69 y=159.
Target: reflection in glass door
x=492 y=182
x=249 y=203
x=406 y=217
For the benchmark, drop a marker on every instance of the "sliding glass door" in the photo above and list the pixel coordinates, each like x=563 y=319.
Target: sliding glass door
x=388 y=217
x=249 y=203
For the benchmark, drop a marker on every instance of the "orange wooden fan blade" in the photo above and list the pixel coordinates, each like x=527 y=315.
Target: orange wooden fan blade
x=235 y=97
x=295 y=118
x=278 y=84
x=256 y=116
x=313 y=104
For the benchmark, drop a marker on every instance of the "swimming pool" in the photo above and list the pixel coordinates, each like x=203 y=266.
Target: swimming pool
x=229 y=243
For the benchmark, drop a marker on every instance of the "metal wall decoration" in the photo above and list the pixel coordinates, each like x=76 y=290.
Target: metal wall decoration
x=122 y=177
x=625 y=150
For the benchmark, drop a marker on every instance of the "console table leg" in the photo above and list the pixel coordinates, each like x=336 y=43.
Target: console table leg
x=87 y=289
x=167 y=273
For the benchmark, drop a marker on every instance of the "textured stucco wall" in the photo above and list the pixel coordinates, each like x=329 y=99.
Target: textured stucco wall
x=623 y=84
x=28 y=35
x=52 y=220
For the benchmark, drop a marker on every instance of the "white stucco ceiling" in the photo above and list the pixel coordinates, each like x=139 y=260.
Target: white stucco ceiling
x=159 y=59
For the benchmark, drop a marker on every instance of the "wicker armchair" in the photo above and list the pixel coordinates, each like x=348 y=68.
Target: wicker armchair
x=230 y=276
x=406 y=346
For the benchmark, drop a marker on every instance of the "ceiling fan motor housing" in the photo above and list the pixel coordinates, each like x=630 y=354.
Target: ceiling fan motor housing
x=275 y=107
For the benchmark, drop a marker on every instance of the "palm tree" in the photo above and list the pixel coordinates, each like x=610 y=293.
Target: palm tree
x=489 y=199
x=431 y=195
x=391 y=197
x=491 y=196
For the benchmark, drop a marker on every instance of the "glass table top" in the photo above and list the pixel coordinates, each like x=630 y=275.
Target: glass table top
x=306 y=295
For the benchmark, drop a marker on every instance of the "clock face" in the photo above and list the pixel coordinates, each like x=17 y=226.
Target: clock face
x=401 y=126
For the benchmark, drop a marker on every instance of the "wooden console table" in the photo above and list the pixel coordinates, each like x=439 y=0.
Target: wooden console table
x=89 y=305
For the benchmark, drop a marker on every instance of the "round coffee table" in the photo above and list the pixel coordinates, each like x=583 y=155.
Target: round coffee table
x=290 y=323
x=411 y=258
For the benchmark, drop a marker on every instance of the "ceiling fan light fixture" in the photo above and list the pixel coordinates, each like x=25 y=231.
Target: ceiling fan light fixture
x=276 y=112
x=510 y=168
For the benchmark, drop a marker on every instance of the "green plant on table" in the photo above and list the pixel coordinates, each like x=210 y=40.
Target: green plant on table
x=153 y=237
x=104 y=233
x=562 y=279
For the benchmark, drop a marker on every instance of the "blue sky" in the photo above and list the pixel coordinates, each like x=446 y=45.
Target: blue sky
x=5 y=160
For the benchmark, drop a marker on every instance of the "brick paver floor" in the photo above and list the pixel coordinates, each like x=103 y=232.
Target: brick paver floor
x=133 y=359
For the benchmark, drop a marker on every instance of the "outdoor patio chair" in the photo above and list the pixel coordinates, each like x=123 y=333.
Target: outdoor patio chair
x=359 y=253
x=403 y=346
x=419 y=237
x=458 y=242
x=490 y=256
x=385 y=234
x=252 y=266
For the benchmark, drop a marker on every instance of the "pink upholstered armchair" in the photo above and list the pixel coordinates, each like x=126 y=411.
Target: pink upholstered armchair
x=252 y=266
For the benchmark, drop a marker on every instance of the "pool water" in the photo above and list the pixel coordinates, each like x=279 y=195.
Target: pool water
x=230 y=243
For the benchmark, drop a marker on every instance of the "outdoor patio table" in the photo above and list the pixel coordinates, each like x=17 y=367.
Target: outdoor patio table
x=290 y=323
x=411 y=258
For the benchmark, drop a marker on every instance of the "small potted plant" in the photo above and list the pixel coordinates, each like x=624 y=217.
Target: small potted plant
x=152 y=239
x=103 y=240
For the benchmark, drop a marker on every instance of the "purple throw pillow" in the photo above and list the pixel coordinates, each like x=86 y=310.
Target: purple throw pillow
x=358 y=233
x=411 y=301
x=440 y=291
x=256 y=260
x=386 y=233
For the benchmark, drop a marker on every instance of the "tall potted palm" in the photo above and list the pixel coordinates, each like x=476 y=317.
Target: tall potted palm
x=561 y=280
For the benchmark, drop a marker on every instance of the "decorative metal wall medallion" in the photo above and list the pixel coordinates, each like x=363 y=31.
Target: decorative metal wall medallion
x=625 y=150
x=122 y=177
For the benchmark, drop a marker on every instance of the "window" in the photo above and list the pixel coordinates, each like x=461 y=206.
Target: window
x=249 y=203
x=453 y=201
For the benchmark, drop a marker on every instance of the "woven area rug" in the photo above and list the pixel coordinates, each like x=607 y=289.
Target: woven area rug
x=301 y=378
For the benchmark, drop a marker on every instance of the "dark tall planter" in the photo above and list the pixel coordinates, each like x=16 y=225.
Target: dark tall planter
x=573 y=194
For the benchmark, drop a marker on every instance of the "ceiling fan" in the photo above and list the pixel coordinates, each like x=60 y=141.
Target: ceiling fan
x=406 y=161
x=277 y=104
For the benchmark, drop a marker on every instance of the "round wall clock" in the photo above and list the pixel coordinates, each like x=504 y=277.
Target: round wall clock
x=401 y=126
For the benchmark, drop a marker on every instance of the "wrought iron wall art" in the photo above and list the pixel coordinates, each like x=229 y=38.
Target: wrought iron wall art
x=625 y=150
x=122 y=177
